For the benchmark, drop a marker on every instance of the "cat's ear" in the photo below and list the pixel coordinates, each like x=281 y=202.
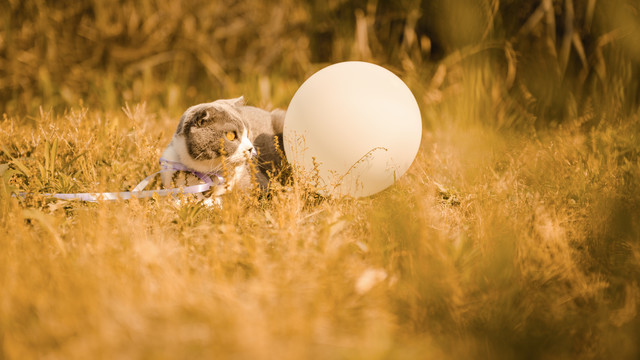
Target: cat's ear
x=198 y=117
x=239 y=101
x=194 y=116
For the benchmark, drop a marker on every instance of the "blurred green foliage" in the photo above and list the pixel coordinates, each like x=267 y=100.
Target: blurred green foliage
x=554 y=57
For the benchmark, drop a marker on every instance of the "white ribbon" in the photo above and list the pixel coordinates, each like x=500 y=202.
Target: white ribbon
x=138 y=192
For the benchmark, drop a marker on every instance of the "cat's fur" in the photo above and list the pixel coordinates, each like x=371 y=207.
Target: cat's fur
x=201 y=131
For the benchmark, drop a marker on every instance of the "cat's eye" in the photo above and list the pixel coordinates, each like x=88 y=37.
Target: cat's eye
x=231 y=135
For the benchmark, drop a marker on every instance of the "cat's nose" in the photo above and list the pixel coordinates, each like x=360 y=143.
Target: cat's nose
x=248 y=145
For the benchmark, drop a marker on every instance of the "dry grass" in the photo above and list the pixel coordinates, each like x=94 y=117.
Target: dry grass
x=497 y=243
x=510 y=237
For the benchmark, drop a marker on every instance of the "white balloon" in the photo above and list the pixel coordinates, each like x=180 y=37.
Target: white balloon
x=358 y=122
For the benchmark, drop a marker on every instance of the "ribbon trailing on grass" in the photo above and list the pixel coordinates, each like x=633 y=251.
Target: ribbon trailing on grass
x=139 y=191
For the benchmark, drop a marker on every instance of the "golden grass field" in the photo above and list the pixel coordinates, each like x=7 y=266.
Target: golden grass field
x=515 y=233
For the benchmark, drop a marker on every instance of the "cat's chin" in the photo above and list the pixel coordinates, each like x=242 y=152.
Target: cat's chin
x=204 y=166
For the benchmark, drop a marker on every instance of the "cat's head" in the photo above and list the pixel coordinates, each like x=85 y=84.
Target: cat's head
x=209 y=132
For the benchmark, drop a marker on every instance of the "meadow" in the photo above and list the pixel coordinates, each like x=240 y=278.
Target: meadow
x=514 y=234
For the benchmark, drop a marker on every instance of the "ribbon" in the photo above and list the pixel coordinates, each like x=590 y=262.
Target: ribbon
x=138 y=192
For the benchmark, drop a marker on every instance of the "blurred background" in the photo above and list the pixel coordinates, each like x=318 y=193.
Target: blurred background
x=515 y=234
x=539 y=60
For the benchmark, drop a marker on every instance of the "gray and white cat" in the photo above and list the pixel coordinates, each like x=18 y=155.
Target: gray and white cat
x=230 y=130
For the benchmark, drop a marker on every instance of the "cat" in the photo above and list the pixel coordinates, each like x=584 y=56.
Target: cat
x=224 y=136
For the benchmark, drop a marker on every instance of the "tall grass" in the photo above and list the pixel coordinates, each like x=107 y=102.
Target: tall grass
x=172 y=54
x=515 y=234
